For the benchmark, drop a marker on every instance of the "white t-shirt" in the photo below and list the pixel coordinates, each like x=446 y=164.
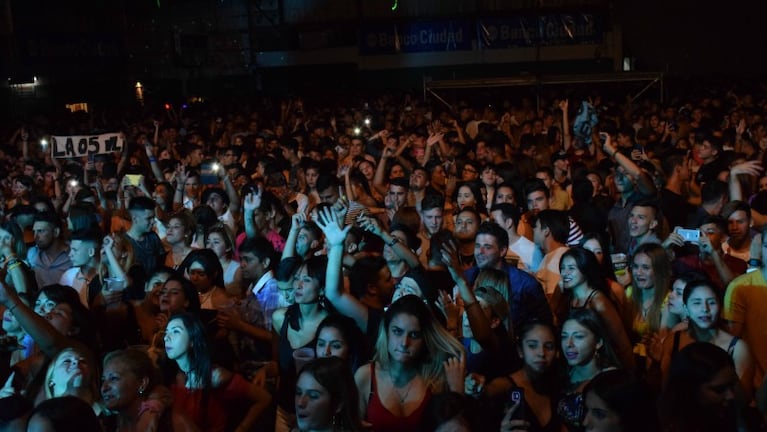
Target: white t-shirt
x=73 y=278
x=529 y=255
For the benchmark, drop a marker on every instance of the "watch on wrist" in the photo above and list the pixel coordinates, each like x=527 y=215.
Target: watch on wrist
x=393 y=241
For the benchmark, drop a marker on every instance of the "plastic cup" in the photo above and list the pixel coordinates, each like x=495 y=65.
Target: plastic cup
x=115 y=284
x=302 y=356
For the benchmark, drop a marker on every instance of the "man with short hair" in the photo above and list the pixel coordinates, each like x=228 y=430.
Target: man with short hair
x=525 y=296
x=396 y=197
x=419 y=179
x=538 y=196
x=714 y=195
x=147 y=246
x=466 y=225
x=633 y=184
x=523 y=250
x=711 y=260
x=643 y=220
x=558 y=197
x=432 y=209
x=551 y=229
x=709 y=148
x=257 y=261
x=327 y=188
x=738 y=215
x=676 y=206
x=85 y=255
x=49 y=257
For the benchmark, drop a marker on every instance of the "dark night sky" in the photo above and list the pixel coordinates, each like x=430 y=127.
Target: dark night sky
x=693 y=37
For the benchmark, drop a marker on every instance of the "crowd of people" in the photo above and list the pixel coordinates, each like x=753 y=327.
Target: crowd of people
x=390 y=265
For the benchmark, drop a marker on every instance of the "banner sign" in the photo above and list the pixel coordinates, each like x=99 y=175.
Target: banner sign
x=84 y=145
x=434 y=36
x=543 y=30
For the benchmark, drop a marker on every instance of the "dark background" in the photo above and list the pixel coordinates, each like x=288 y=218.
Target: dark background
x=97 y=50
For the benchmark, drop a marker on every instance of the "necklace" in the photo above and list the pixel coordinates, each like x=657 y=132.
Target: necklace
x=402 y=398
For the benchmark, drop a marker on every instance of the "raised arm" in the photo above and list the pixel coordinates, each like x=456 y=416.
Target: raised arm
x=344 y=302
x=480 y=325
x=379 y=180
x=753 y=168
x=567 y=138
x=643 y=180
x=371 y=224
x=251 y=202
x=296 y=222
x=46 y=337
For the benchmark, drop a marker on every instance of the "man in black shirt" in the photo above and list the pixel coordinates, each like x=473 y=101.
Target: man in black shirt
x=709 y=148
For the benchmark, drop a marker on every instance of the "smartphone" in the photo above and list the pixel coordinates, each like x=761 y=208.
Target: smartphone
x=517 y=397
x=133 y=179
x=603 y=137
x=208 y=173
x=689 y=235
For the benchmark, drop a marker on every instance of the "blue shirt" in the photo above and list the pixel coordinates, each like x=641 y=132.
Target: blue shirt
x=527 y=301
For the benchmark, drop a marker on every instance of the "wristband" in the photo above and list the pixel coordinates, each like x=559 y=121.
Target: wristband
x=753 y=262
x=393 y=241
x=152 y=159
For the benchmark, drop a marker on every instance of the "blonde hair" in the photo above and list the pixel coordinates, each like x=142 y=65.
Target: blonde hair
x=439 y=344
x=49 y=387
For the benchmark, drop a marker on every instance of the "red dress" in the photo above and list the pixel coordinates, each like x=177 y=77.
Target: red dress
x=383 y=420
x=188 y=401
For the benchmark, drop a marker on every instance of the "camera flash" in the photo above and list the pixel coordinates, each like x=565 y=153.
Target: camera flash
x=357 y=131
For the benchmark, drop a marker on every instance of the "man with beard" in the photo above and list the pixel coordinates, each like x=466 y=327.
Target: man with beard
x=738 y=215
x=526 y=299
x=466 y=225
x=49 y=257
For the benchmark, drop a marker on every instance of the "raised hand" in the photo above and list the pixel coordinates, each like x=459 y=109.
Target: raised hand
x=563 y=105
x=753 y=168
x=298 y=220
x=252 y=201
x=328 y=222
x=370 y=224
x=455 y=370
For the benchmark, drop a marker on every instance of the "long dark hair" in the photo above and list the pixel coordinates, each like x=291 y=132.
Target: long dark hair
x=692 y=367
x=607 y=261
x=627 y=396
x=352 y=335
x=335 y=376
x=588 y=265
x=199 y=353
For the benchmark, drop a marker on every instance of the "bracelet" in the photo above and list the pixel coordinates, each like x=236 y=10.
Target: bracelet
x=393 y=241
x=14 y=306
x=14 y=266
x=11 y=261
x=152 y=159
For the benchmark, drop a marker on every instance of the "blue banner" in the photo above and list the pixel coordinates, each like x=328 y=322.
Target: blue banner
x=435 y=36
x=544 y=30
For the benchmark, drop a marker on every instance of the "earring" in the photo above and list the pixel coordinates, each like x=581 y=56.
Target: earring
x=51 y=384
x=322 y=301
x=141 y=391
